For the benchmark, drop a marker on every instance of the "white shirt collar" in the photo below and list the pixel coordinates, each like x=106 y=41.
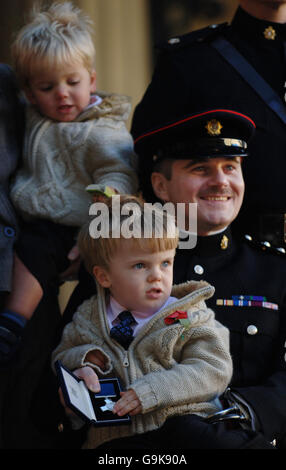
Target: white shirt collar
x=115 y=308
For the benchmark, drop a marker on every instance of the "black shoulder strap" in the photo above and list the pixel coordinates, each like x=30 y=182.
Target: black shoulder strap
x=245 y=69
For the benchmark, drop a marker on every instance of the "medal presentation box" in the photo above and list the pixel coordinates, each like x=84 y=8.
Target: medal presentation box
x=95 y=408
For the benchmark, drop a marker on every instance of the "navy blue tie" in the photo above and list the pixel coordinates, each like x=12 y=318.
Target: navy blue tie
x=123 y=332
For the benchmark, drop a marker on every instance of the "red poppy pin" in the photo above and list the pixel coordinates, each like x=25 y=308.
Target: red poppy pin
x=178 y=317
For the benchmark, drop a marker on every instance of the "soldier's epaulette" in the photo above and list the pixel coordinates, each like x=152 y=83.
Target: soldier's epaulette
x=178 y=42
x=264 y=246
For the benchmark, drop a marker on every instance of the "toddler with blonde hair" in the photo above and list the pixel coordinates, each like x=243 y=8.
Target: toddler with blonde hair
x=172 y=356
x=75 y=137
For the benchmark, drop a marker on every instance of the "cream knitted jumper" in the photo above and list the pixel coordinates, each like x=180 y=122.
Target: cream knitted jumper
x=61 y=158
x=173 y=371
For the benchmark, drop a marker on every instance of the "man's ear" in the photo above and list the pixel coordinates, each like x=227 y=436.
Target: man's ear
x=102 y=277
x=160 y=186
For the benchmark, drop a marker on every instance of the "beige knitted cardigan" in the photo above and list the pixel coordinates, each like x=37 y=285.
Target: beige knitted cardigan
x=61 y=158
x=173 y=371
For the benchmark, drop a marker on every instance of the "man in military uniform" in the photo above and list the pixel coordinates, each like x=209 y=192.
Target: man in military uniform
x=199 y=159
x=240 y=66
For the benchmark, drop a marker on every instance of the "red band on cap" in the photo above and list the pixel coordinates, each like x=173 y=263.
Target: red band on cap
x=193 y=117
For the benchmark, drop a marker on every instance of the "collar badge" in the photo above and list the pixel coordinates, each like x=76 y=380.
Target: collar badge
x=269 y=33
x=213 y=127
x=224 y=242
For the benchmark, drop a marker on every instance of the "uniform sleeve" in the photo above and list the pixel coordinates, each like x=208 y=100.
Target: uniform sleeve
x=203 y=371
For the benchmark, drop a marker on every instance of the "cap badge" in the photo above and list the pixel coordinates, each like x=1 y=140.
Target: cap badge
x=269 y=33
x=224 y=242
x=213 y=127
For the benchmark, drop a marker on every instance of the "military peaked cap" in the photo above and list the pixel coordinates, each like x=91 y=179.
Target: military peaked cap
x=207 y=134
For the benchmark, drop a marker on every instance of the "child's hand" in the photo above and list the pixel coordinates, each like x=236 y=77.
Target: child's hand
x=90 y=378
x=100 y=193
x=97 y=358
x=102 y=196
x=98 y=197
x=91 y=381
x=128 y=403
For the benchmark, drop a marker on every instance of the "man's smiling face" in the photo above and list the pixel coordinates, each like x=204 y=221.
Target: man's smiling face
x=215 y=184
